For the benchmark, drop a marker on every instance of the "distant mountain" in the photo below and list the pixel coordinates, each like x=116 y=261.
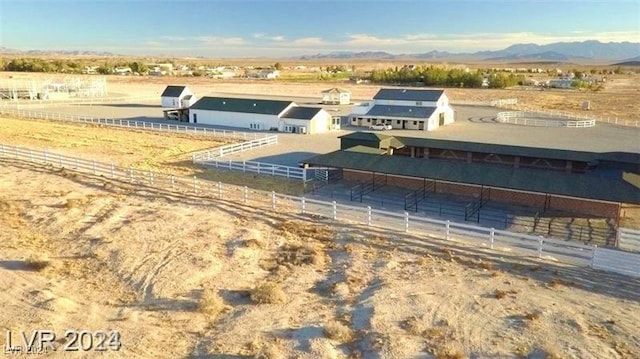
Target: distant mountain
x=635 y=61
x=350 y=55
x=4 y=50
x=559 y=51
x=542 y=56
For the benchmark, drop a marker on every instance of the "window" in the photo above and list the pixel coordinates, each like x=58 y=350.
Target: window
x=415 y=123
x=397 y=122
x=368 y=120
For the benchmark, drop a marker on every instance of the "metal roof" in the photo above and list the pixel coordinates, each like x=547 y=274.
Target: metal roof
x=607 y=185
x=244 y=105
x=386 y=111
x=514 y=150
x=301 y=113
x=409 y=95
x=173 y=91
x=336 y=90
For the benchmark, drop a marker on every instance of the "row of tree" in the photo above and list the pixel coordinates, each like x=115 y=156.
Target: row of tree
x=439 y=76
x=67 y=66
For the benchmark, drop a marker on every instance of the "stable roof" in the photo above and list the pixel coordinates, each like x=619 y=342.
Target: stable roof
x=400 y=111
x=173 y=91
x=606 y=185
x=408 y=95
x=244 y=105
x=301 y=112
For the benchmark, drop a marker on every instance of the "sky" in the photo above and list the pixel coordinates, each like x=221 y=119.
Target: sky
x=279 y=28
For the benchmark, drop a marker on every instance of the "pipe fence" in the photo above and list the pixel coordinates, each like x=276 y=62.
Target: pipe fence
x=546 y=248
x=543 y=119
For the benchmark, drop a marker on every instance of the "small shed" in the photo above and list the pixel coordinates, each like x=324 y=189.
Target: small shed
x=306 y=120
x=173 y=96
x=336 y=96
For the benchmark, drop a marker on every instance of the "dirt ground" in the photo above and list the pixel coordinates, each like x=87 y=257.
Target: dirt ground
x=182 y=277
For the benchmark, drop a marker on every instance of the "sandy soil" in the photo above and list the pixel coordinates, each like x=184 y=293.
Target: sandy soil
x=140 y=262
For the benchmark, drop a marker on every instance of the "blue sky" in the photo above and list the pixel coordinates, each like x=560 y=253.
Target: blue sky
x=245 y=28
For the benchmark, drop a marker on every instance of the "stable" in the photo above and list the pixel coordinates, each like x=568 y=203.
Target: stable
x=260 y=114
x=177 y=97
x=405 y=109
x=336 y=96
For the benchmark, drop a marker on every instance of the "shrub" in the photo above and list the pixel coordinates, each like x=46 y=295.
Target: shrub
x=339 y=332
x=268 y=293
x=36 y=264
x=211 y=303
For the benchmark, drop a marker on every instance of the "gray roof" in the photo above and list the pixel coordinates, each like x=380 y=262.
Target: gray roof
x=301 y=113
x=336 y=90
x=245 y=105
x=632 y=157
x=606 y=185
x=400 y=111
x=409 y=95
x=173 y=91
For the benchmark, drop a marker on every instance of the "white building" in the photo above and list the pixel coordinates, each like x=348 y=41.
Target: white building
x=405 y=109
x=177 y=97
x=336 y=96
x=257 y=114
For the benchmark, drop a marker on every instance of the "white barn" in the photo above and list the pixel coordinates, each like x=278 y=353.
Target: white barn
x=258 y=114
x=406 y=109
x=177 y=97
x=336 y=96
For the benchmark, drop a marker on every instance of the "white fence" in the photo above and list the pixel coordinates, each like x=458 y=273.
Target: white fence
x=629 y=239
x=504 y=102
x=527 y=118
x=94 y=100
x=289 y=172
x=222 y=151
x=129 y=124
x=546 y=248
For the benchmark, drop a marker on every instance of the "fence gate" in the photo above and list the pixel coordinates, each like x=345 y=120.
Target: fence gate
x=629 y=239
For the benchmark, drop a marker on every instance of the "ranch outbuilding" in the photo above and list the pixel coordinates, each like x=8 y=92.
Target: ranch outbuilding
x=405 y=109
x=260 y=114
x=177 y=97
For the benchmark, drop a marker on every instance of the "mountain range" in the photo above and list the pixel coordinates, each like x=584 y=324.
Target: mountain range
x=559 y=51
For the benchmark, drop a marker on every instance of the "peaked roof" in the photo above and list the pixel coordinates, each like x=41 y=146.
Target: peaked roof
x=301 y=112
x=173 y=91
x=246 y=105
x=400 y=111
x=409 y=95
x=336 y=90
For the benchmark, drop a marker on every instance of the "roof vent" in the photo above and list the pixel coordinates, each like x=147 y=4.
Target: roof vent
x=224 y=102
x=404 y=90
x=254 y=105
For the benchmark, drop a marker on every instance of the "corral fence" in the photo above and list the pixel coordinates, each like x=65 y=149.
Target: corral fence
x=131 y=124
x=543 y=119
x=505 y=102
x=547 y=248
x=222 y=151
x=568 y=115
x=88 y=100
x=629 y=239
x=293 y=173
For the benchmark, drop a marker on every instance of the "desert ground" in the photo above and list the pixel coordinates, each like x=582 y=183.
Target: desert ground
x=182 y=276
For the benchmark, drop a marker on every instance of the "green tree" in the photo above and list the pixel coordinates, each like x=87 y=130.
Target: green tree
x=277 y=66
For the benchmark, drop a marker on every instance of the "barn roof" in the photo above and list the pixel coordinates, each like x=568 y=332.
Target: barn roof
x=301 y=112
x=336 y=90
x=245 y=105
x=409 y=95
x=173 y=91
x=400 y=111
x=605 y=185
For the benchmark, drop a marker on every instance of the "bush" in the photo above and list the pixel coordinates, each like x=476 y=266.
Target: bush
x=339 y=332
x=211 y=303
x=36 y=264
x=268 y=293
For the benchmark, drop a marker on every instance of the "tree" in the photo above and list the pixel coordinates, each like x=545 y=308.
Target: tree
x=138 y=67
x=277 y=66
x=104 y=70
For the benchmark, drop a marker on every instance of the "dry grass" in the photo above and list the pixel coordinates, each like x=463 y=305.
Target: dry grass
x=211 y=303
x=72 y=203
x=339 y=332
x=299 y=229
x=412 y=325
x=299 y=254
x=268 y=293
x=499 y=294
x=450 y=354
x=36 y=264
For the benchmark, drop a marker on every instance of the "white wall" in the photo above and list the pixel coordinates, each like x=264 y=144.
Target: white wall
x=320 y=123
x=234 y=119
x=170 y=102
